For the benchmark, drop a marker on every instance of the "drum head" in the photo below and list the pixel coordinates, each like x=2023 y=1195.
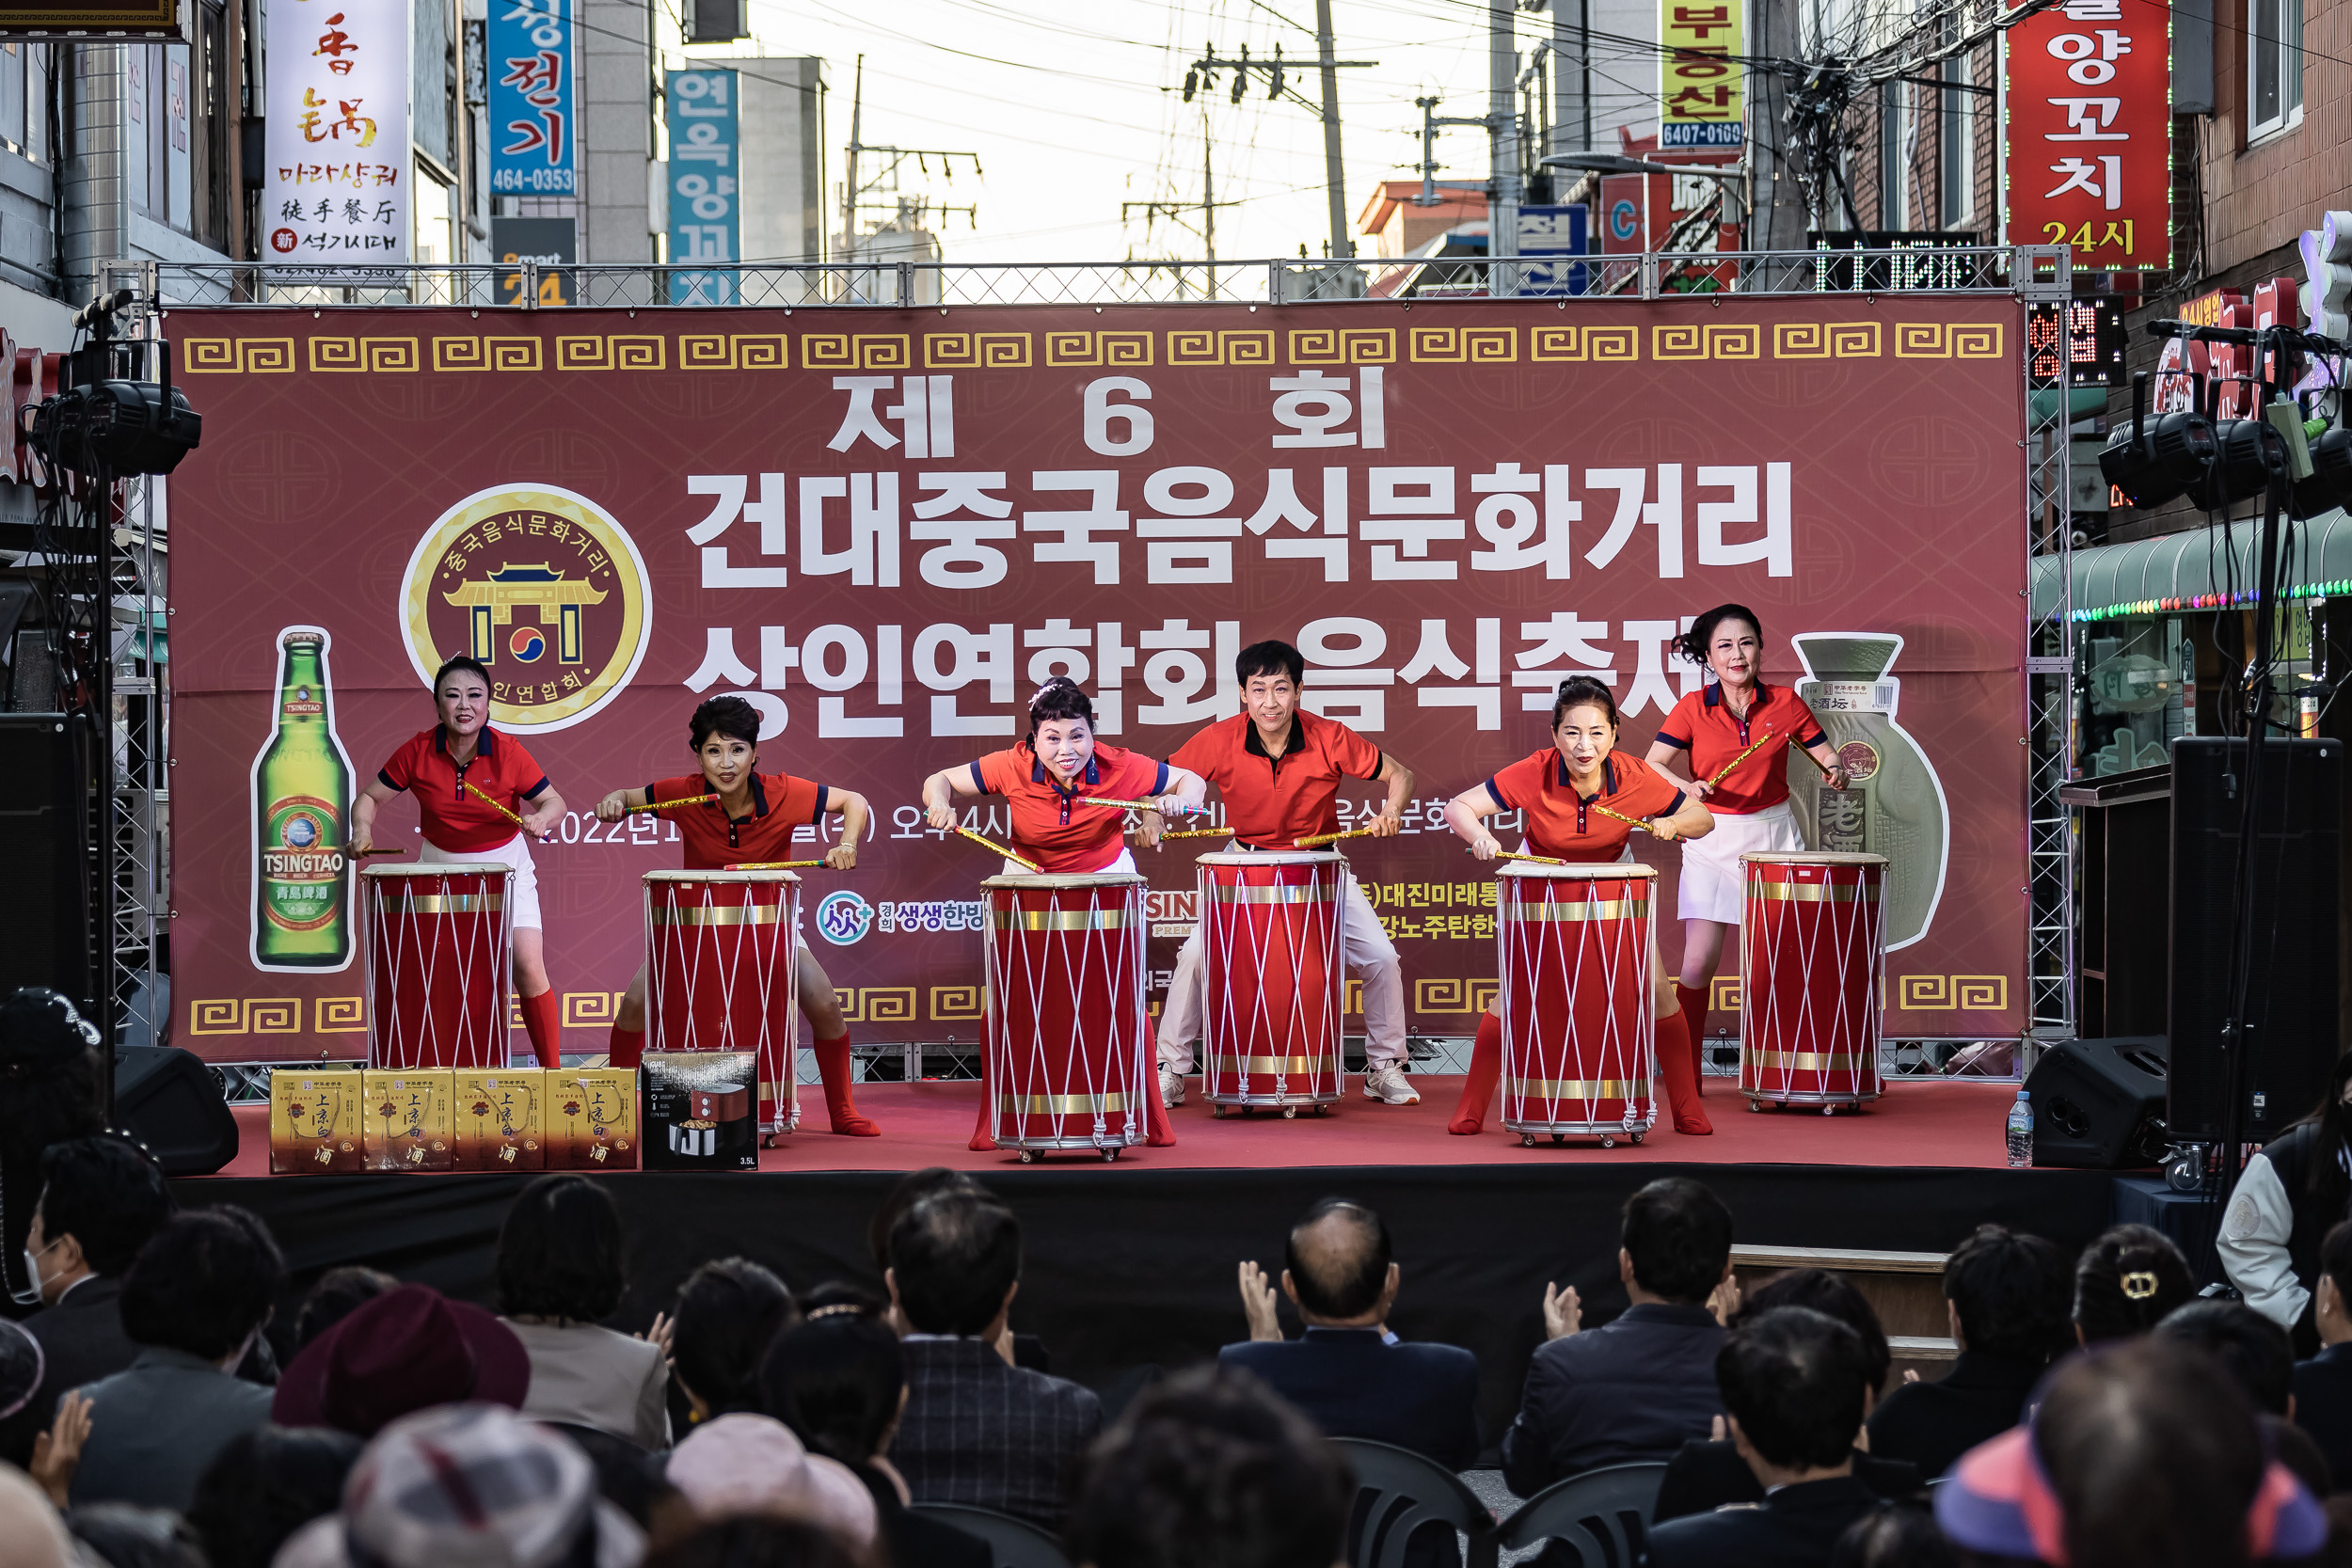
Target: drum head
x=722 y=875
x=1605 y=871
x=1091 y=879
x=1808 y=857
x=443 y=868
x=1271 y=857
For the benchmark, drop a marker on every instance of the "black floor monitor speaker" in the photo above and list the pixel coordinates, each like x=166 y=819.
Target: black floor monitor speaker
x=2291 y=1016
x=2099 y=1104
x=44 y=838
x=166 y=1099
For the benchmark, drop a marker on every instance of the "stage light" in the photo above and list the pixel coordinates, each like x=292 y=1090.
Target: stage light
x=2245 y=452
x=2330 y=483
x=117 y=428
x=2153 y=461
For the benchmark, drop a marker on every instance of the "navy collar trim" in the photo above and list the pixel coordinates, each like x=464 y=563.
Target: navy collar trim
x=1608 y=775
x=1093 y=776
x=486 y=747
x=1296 y=743
x=1714 y=697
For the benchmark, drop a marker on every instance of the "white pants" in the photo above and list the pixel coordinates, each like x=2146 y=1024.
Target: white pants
x=1708 y=888
x=523 y=888
x=1364 y=947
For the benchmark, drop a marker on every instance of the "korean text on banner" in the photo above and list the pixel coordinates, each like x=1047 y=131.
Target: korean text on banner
x=705 y=220
x=533 y=149
x=337 y=186
x=2088 y=156
x=1700 y=98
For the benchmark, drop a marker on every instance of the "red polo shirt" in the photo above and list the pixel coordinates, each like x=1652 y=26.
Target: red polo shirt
x=1054 y=827
x=715 y=841
x=1562 y=823
x=1702 y=725
x=1271 y=803
x=456 y=821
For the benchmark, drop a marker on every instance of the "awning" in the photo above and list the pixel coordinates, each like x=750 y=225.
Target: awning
x=2192 y=570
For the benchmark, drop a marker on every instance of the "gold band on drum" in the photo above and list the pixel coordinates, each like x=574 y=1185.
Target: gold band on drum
x=716 y=915
x=1811 y=1061
x=1601 y=909
x=1059 y=920
x=1815 y=892
x=1294 y=893
x=1261 y=1066
x=1062 y=1104
x=1577 y=1088
x=443 y=903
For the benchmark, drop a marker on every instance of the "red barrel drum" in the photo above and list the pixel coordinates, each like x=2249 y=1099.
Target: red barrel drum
x=1271 y=975
x=437 y=945
x=1813 y=969
x=1066 y=1053
x=1579 y=1036
x=722 y=972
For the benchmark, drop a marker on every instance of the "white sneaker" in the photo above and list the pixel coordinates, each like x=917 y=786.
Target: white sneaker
x=1171 y=1088
x=1388 y=1084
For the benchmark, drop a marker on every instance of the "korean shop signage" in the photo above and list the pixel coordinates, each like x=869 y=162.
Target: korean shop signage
x=2087 y=159
x=336 y=187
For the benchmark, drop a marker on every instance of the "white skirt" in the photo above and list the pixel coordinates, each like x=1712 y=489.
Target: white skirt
x=522 y=887
x=1709 y=886
x=1125 y=864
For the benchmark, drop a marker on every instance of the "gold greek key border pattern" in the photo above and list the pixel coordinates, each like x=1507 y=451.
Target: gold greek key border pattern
x=372 y=356
x=487 y=354
x=1112 y=350
x=976 y=351
x=1705 y=340
x=877 y=1004
x=949 y=1002
x=236 y=356
x=617 y=353
x=1598 y=344
x=342 y=1015
x=1723 y=995
x=591 y=1009
x=1472 y=994
x=1464 y=345
x=1948 y=339
x=857 y=351
x=1342 y=346
x=1825 y=341
x=741 y=351
x=1208 y=346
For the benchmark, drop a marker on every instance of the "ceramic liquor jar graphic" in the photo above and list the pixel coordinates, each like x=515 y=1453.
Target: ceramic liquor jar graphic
x=1894 y=804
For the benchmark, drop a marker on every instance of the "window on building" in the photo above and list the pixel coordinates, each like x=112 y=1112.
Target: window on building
x=2274 y=65
x=1956 y=180
x=25 y=99
x=435 y=210
x=1895 y=142
x=177 y=125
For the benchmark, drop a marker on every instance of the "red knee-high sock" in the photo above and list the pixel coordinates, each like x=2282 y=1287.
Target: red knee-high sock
x=542 y=1020
x=983 y=1140
x=1693 y=1000
x=1158 y=1132
x=832 y=1065
x=628 y=1047
x=1478 y=1090
x=1674 y=1065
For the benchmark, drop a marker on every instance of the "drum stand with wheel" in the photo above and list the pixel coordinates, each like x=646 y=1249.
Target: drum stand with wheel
x=1580 y=1030
x=1066 y=1057
x=1270 y=971
x=1812 y=964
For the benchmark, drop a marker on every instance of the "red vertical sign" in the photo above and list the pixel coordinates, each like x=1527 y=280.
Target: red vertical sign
x=2088 y=156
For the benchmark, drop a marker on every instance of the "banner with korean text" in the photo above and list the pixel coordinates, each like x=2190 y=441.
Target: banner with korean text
x=534 y=99
x=336 y=187
x=886 y=529
x=2087 y=159
x=1700 y=99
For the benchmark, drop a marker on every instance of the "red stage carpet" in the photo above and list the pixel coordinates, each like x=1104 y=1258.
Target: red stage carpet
x=1918 y=1123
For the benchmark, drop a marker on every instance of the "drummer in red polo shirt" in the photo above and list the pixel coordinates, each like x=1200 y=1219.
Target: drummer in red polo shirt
x=1278 y=771
x=1558 y=789
x=1709 y=730
x=444 y=767
x=752 y=822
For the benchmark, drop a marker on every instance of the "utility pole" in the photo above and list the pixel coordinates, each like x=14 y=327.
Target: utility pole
x=1206 y=207
x=1503 y=115
x=1428 y=166
x=853 y=189
x=1202 y=72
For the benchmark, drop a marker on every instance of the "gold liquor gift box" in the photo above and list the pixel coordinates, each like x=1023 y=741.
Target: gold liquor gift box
x=407 y=1124
x=500 y=1118
x=314 y=1122
x=591 y=1119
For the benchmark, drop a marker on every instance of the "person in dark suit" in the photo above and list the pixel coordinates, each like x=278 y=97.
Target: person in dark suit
x=1702 y=1476
x=977 y=1429
x=1642 y=1385
x=101 y=1199
x=2007 y=1296
x=1347 y=1374
x=1795 y=1383
x=2323 y=1384
x=53 y=1072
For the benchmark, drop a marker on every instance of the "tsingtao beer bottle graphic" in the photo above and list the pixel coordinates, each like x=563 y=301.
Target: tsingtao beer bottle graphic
x=302 y=914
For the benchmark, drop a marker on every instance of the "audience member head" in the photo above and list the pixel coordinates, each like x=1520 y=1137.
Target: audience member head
x=2252 y=1349
x=837 y=1299
x=31 y=1534
x=2129 y=1281
x=1796 y=1386
x=101 y=1199
x=1339 y=1264
x=338 y=1294
x=469 y=1487
x=1209 y=1467
x=910 y=1190
x=2331 y=1294
x=409 y=1349
x=1676 y=1242
x=22 y=1362
x=125 y=1535
x=633 y=1480
x=204 y=1284
x=2325 y=1178
x=2296 y=1448
x=53 y=1075
x=761 y=1543
x=1832 y=1295
x=264 y=1485
x=727 y=1311
x=2142 y=1454
x=1894 y=1535
x=746 y=1464
x=839 y=1382
x=560 y=1253
x=955 y=1260
x=2010 y=1294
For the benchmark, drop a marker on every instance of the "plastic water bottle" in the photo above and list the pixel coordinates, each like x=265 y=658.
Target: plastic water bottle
x=2021 y=1133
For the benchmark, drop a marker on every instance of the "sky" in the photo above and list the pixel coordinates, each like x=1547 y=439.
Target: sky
x=1074 y=108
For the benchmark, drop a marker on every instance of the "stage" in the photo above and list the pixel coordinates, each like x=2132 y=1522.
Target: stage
x=1134 y=1262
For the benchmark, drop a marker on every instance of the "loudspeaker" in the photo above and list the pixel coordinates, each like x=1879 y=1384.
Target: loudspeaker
x=2099 y=1104
x=166 y=1099
x=44 y=854
x=2291 y=1016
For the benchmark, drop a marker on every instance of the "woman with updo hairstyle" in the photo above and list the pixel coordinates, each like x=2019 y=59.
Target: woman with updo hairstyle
x=1708 y=732
x=1046 y=779
x=1558 y=789
x=2126 y=1282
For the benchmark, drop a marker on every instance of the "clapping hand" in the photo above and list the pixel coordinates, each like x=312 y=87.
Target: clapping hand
x=57 y=1452
x=1256 y=1303
x=1563 y=1311
x=1724 y=1301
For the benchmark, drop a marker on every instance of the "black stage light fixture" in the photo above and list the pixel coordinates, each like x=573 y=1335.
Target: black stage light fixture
x=2153 y=461
x=2244 y=452
x=118 y=428
x=2330 y=483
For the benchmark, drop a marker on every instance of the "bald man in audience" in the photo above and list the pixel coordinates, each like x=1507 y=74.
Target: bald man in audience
x=1349 y=1374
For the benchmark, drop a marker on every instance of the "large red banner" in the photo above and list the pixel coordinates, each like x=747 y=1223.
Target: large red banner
x=886 y=527
x=2086 y=122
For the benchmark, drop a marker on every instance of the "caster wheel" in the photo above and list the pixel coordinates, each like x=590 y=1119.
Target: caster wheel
x=1527 y=1140
x=766 y=1140
x=1217 y=1113
x=1828 y=1110
x=1110 y=1156
x=1637 y=1139
x=1608 y=1142
x=1289 y=1113
x=1558 y=1139
x=1028 y=1156
x=1320 y=1109
x=1756 y=1105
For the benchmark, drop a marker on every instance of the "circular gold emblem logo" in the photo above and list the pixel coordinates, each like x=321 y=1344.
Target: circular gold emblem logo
x=542 y=586
x=1859 y=758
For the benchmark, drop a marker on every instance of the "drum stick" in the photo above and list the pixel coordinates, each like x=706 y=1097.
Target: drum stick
x=992 y=844
x=1753 y=747
x=493 y=802
x=1319 y=840
x=1811 y=758
x=363 y=854
x=1196 y=832
x=767 y=865
x=1128 y=805
x=688 y=801
x=1539 y=860
x=1628 y=821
